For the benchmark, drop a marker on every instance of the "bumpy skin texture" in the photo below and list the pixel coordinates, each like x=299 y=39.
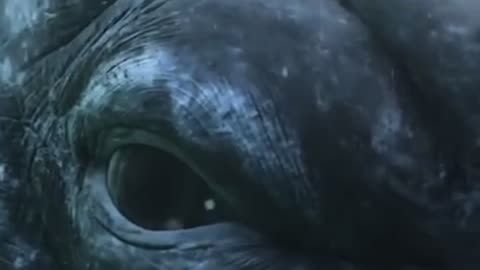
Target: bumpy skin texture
x=347 y=129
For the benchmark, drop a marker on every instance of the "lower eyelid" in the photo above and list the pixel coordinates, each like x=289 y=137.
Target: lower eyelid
x=106 y=214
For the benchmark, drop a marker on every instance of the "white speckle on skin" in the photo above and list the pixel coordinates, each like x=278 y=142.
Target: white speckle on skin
x=19 y=77
x=6 y=70
x=8 y=74
x=50 y=15
x=322 y=104
x=2 y=173
x=342 y=20
x=457 y=29
x=33 y=255
x=387 y=130
x=24 y=14
x=19 y=263
x=285 y=72
x=434 y=34
x=209 y=204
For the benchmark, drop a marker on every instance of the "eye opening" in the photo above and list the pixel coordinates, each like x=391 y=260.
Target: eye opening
x=222 y=221
x=155 y=188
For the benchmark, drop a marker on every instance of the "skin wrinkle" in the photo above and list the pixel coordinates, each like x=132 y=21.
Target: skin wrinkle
x=67 y=166
x=123 y=63
x=161 y=73
x=243 y=131
x=134 y=72
x=446 y=71
x=244 y=107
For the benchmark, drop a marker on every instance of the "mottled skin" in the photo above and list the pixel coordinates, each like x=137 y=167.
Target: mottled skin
x=345 y=133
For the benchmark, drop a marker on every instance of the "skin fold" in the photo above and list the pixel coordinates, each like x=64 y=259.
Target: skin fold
x=332 y=134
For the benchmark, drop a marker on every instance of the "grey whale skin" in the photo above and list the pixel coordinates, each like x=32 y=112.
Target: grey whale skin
x=332 y=135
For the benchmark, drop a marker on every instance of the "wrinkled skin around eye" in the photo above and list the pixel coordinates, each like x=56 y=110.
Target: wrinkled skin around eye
x=340 y=134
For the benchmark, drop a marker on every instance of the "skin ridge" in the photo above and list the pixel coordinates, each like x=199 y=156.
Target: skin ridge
x=49 y=120
x=44 y=116
x=18 y=248
x=42 y=126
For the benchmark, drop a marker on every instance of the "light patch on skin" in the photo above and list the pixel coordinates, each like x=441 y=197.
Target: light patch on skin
x=3 y=176
x=8 y=73
x=285 y=72
x=19 y=263
x=21 y=256
x=24 y=14
x=24 y=44
x=388 y=133
x=458 y=29
x=12 y=182
x=209 y=204
x=321 y=102
x=387 y=129
x=6 y=70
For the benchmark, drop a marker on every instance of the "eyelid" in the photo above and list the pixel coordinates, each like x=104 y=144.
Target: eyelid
x=109 y=141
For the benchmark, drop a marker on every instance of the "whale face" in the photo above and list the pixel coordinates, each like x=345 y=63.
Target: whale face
x=221 y=134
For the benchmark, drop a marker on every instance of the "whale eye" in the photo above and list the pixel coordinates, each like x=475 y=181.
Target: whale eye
x=156 y=190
